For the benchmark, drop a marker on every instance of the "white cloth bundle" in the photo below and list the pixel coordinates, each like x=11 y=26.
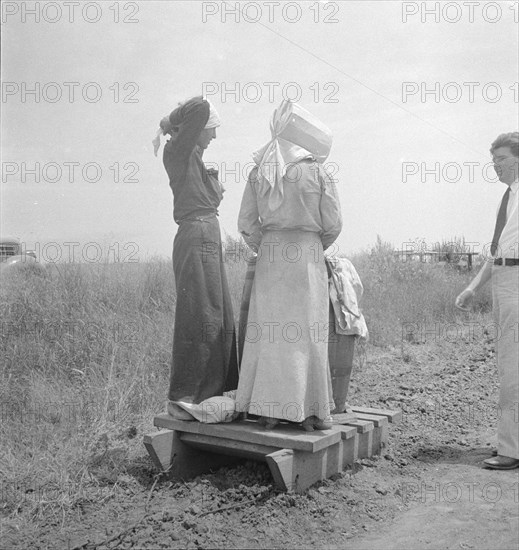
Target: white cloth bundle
x=296 y=135
x=345 y=290
x=213 y=410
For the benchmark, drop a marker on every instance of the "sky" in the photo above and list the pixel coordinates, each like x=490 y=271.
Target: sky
x=414 y=97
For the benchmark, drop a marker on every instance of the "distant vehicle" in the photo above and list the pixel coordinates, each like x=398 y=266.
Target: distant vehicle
x=11 y=254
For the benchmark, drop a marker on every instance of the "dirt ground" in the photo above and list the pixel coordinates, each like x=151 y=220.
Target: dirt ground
x=426 y=490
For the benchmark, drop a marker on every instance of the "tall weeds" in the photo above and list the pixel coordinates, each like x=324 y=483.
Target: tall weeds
x=399 y=293
x=85 y=355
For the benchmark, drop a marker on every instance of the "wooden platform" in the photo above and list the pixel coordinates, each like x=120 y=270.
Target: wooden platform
x=296 y=458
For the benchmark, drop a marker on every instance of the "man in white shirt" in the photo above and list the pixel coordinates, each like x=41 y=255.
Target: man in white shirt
x=502 y=268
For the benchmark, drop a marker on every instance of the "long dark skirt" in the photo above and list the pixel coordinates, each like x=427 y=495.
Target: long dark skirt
x=204 y=360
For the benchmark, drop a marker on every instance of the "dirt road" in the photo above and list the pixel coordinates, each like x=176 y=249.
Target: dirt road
x=426 y=490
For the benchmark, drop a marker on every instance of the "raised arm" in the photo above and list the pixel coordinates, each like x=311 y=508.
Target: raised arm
x=190 y=118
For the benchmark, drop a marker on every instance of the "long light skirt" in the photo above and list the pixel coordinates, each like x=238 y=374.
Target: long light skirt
x=284 y=369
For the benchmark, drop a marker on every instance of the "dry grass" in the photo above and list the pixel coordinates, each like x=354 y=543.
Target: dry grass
x=85 y=364
x=400 y=294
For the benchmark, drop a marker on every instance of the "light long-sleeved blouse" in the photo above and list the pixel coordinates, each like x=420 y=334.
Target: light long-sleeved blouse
x=310 y=203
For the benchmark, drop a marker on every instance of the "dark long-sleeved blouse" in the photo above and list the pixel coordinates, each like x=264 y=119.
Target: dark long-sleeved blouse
x=196 y=192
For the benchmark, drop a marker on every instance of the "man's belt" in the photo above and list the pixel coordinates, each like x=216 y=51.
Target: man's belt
x=506 y=261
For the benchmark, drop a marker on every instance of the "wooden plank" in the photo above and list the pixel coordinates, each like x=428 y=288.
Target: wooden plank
x=349 y=450
x=346 y=431
x=281 y=464
x=365 y=448
x=394 y=416
x=332 y=460
x=182 y=461
x=160 y=448
x=343 y=418
x=298 y=470
x=227 y=446
x=296 y=458
x=170 y=423
x=380 y=438
x=284 y=436
x=310 y=468
x=362 y=426
x=384 y=438
x=377 y=420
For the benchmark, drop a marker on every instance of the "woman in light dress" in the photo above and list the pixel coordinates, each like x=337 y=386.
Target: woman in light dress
x=290 y=213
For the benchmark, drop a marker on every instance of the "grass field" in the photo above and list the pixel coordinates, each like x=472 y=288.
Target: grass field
x=86 y=350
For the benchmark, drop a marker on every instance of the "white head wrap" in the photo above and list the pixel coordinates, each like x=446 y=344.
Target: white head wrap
x=156 y=141
x=296 y=135
x=214 y=119
x=165 y=125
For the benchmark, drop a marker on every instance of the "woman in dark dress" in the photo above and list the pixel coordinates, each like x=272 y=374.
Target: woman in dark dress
x=204 y=362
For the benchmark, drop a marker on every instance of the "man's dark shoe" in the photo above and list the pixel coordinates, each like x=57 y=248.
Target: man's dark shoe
x=501 y=463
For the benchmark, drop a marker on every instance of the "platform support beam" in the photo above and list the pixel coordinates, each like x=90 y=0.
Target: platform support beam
x=169 y=453
x=296 y=459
